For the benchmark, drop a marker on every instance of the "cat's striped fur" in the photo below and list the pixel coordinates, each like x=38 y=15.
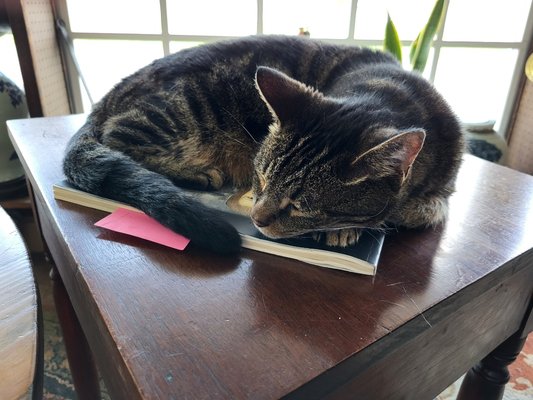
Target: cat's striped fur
x=330 y=137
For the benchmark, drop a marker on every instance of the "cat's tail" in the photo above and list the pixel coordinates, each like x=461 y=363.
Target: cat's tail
x=97 y=169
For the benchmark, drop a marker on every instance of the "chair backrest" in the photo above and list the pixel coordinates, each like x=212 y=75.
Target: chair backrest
x=32 y=24
x=21 y=354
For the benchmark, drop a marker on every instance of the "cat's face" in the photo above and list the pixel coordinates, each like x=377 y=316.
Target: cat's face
x=313 y=174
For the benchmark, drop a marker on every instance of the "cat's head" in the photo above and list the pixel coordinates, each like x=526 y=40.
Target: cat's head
x=322 y=167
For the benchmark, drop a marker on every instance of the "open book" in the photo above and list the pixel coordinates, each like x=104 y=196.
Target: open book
x=234 y=207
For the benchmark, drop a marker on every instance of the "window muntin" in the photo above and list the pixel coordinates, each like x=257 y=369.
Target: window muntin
x=182 y=23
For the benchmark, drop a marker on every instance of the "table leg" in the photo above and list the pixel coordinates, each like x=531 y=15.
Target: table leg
x=487 y=379
x=80 y=358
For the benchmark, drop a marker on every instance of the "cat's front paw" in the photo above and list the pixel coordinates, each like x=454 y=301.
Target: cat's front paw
x=209 y=179
x=339 y=238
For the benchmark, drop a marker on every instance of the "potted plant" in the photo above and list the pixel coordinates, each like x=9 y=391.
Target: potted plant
x=482 y=140
x=419 y=50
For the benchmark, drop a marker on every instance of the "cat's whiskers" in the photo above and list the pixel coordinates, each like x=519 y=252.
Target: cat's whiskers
x=372 y=233
x=306 y=236
x=227 y=135
x=239 y=122
x=233 y=90
x=382 y=210
x=386 y=229
x=306 y=202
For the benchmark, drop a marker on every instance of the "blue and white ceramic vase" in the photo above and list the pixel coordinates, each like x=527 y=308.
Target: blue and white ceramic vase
x=484 y=142
x=12 y=106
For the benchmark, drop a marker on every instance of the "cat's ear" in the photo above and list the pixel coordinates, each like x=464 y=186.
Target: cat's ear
x=286 y=98
x=394 y=156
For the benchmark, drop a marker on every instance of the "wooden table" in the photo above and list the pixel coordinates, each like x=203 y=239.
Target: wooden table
x=191 y=325
x=21 y=340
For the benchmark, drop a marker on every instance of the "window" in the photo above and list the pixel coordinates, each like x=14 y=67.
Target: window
x=475 y=61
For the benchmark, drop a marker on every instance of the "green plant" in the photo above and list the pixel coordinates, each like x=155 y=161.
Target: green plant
x=419 y=51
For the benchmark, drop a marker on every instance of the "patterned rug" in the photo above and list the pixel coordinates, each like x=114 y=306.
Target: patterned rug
x=58 y=381
x=520 y=387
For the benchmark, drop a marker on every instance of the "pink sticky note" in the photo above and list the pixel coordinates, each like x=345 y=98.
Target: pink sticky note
x=141 y=225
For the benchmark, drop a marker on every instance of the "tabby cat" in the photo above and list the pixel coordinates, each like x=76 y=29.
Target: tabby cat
x=331 y=139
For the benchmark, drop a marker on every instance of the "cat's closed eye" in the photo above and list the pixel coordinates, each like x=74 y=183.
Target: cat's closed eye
x=295 y=206
x=296 y=209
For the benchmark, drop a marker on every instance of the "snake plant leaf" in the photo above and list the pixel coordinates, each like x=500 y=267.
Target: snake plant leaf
x=412 y=51
x=391 y=43
x=425 y=37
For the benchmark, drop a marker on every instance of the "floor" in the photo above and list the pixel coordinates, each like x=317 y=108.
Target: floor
x=57 y=378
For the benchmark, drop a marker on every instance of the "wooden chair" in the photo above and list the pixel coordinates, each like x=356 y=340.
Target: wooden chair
x=21 y=339
x=32 y=23
x=21 y=330
x=521 y=138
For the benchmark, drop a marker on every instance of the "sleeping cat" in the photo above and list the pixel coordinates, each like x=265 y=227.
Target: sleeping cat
x=331 y=138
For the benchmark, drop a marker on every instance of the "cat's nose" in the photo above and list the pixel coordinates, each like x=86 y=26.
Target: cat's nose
x=263 y=220
x=261 y=217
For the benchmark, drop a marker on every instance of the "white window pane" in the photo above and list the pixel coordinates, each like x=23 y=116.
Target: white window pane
x=409 y=17
x=212 y=17
x=476 y=81
x=322 y=18
x=177 y=46
x=114 y=16
x=105 y=62
x=486 y=21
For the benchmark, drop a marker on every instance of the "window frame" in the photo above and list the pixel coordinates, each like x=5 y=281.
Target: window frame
x=439 y=43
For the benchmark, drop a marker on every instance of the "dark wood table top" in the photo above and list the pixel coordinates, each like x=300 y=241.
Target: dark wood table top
x=168 y=324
